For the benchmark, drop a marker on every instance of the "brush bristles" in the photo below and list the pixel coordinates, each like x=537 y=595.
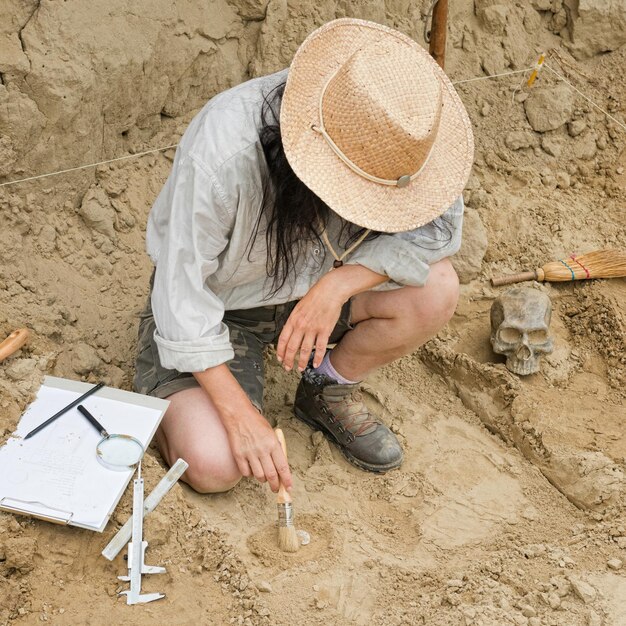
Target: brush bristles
x=288 y=540
x=597 y=264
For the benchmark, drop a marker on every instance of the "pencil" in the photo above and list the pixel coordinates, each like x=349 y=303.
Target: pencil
x=64 y=410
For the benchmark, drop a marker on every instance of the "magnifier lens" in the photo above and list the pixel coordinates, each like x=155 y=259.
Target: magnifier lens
x=119 y=452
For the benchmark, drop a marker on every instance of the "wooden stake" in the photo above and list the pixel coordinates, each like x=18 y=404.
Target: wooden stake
x=438 y=32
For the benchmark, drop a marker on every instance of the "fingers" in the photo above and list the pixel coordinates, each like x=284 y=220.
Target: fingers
x=320 y=349
x=243 y=466
x=271 y=474
x=283 y=340
x=295 y=341
x=282 y=467
x=305 y=351
x=257 y=469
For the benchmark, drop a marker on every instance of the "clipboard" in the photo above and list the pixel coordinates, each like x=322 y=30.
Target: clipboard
x=55 y=475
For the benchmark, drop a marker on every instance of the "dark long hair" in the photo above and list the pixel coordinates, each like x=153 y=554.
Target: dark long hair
x=294 y=216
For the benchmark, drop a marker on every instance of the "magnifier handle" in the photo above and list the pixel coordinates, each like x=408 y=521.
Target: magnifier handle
x=93 y=421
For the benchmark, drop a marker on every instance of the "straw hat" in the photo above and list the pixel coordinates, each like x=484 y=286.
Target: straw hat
x=373 y=126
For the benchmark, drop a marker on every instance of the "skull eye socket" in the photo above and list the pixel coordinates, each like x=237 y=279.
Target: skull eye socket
x=538 y=336
x=509 y=335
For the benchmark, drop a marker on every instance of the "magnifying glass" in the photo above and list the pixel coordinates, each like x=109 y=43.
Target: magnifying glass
x=116 y=452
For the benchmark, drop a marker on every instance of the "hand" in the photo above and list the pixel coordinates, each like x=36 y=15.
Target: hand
x=257 y=451
x=310 y=324
x=254 y=445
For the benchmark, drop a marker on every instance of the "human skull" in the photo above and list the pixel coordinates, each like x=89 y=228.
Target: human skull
x=520 y=319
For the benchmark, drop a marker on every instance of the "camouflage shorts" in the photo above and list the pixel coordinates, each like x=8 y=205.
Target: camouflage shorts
x=251 y=330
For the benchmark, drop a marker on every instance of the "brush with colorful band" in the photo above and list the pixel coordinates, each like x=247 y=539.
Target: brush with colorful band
x=608 y=263
x=288 y=540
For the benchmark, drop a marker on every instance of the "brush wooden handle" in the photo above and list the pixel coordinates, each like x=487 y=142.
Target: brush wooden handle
x=13 y=342
x=518 y=278
x=283 y=496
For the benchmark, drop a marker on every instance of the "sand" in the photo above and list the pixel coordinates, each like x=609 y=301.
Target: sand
x=509 y=508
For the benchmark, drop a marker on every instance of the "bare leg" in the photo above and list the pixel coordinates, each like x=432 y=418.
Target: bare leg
x=390 y=324
x=191 y=429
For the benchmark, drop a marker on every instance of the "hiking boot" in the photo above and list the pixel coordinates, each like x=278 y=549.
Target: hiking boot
x=339 y=412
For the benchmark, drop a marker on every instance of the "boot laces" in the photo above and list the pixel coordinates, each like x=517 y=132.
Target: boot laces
x=352 y=413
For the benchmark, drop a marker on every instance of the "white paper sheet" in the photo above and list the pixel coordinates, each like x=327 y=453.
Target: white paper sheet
x=55 y=474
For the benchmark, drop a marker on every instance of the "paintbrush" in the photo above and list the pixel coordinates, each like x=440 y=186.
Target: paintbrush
x=288 y=540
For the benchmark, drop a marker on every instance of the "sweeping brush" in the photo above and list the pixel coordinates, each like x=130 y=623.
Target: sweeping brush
x=609 y=263
x=288 y=540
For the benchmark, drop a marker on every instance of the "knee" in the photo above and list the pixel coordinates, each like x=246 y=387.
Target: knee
x=211 y=474
x=435 y=303
x=445 y=291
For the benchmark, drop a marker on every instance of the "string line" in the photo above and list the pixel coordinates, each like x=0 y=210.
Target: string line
x=580 y=93
x=471 y=80
x=456 y=82
x=83 y=167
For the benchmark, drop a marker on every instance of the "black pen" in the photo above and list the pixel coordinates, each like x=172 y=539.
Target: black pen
x=64 y=410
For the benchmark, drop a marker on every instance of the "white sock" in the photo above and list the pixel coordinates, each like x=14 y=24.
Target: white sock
x=327 y=369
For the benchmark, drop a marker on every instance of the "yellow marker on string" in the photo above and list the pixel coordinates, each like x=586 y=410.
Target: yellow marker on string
x=535 y=72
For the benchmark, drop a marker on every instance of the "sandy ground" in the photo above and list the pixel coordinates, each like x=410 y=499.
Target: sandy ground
x=509 y=508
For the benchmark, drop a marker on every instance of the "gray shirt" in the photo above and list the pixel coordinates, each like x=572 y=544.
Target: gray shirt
x=200 y=226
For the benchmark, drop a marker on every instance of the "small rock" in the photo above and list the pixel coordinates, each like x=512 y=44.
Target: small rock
x=528 y=611
x=586 y=147
x=614 y=564
x=19 y=554
x=562 y=180
x=454 y=582
x=583 y=589
x=554 y=602
x=518 y=139
x=97 y=212
x=576 y=127
x=47 y=238
x=252 y=9
x=534 y=621
x=485 y=109
x=264 y=587
x=84 y=359
x=317 y=437
x=558 y=21
x=551 y=146
x=548 y=179
x=452 y=598
x=548 y=108
x=530 y=513
x=593 y=619
x=494 y=18
x=601 y=143
x=21 y=369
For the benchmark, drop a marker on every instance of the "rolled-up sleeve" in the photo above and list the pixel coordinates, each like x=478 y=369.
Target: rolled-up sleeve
x=406 y=257
x=190 y=334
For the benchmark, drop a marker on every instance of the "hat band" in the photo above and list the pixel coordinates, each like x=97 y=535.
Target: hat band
x=401 y=182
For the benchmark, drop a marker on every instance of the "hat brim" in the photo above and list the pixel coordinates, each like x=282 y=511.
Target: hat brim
x=354 y=198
